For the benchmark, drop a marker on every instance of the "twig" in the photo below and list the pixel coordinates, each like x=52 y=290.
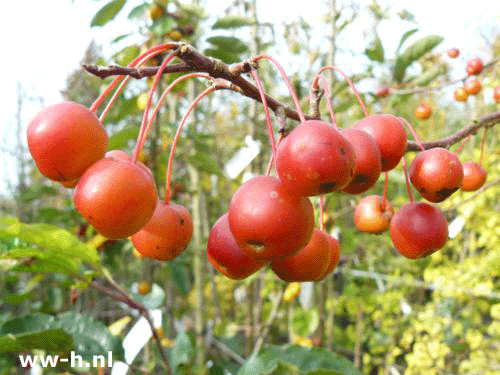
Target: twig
x=265 y=330
x=226 y=350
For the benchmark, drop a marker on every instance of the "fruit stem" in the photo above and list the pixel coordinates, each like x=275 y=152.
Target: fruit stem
x=271 y=160
x=482 y=146
x=321 y=211
x=146 y=55
x=258 y=83
x=386 y=190
x=349 y=81
x=407 y=179
x=177 y=136
x=144 y=129
x=287 y=81
x=413 y=133
x=463 y=144
x=329 y=103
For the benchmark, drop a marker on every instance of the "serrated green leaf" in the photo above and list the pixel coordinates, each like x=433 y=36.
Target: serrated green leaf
x=107 y=13
x=405 y=36
x=228 y=43
x=375 y=51
x=233 y=22
x=413 y=53
x=138 y=11
x=43 y=261
x=54 y=340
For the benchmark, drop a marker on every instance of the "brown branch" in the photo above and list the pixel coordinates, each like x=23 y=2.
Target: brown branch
x=485 y=121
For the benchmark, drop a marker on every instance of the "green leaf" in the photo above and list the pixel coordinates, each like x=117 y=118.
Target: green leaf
x=305 y=322
x=181 y=277
x=226 y=56
x=233 y=22
x=413 y=53
x=375 y=51
x=107 y=13
x=44 y=261
x=90 y=336
x=228 y=43
x=182 y=351
x=126 y=55
x=138 y=11
x=162 y=26
x=55 y=340
x=405 y=36
x=292 y=359
x=119 y=38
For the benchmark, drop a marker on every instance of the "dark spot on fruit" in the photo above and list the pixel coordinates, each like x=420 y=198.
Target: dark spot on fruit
x=442 y=194
x=157 y=247
x=257 y=246
x=327 y=187
x=360 y=179
x=342 y=151
x=181 y=221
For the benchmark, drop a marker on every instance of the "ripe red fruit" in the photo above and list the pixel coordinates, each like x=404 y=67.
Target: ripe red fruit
x=389 y=133
x=423 y=111
x=267 y=222
x=166 y=234
x=418 y=230
x=382 y=92
x=314 y=159
x=65 y=139
x=453 y=52
x=309 y=264
x=474 y=176
x=472 y=87
x=436 y=173
x=496 y=94
x=474 y=66
x=368 y=161
x=460 y=95
x=117 y=197
x=334 y=247
x=371 y=216
x=225 y=254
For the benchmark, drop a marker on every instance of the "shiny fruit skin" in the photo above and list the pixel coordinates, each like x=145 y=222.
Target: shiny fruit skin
x=472 y=87
x=436 y=174
x=474 y=66
x=368 y=161
x=267 y=222
x=474 y=176
x=371 y=217
x=166 y=234
x=334 y=248
x=314 y=159
x=225 y=254
x=117 y=197
x=382 y=92
x=460 y=95
x=423 y=111
x=308 y=264
x=496 y=94
x=453 y=53
x=65 y=139
x=389 y=133
x=418 y=230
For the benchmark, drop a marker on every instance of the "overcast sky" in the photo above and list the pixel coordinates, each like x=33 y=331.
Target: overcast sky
x=43 y=41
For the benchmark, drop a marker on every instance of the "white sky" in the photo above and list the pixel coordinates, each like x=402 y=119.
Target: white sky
x=43 y=41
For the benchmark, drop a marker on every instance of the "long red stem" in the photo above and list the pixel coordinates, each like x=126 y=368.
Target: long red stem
x=329 y=102
x=258 y=83
x=408 y=184
x=321 y=211
x=413 y=133
x=349 y=81
x=287 y=81
x=464 y=142
x=145 y=128
x=176 y=139
x=482 y=146
x=150 y=53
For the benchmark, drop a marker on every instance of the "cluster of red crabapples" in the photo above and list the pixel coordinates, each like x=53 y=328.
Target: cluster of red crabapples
x=270 y=220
